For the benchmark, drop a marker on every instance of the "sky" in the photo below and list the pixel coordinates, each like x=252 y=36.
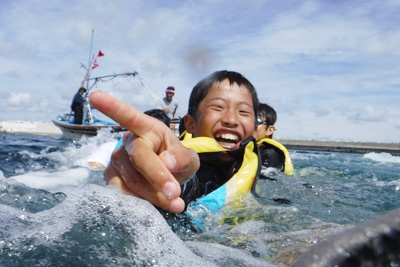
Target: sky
x=331 y=69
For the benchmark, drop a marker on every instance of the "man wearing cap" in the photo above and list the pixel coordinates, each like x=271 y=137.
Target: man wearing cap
x=168 y=104
x=77 y=105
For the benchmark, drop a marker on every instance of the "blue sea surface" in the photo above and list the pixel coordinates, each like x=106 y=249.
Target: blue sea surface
x=56 y=211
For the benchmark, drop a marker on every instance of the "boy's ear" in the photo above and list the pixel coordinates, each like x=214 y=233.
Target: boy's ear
x=190 y=123
x=270 y=130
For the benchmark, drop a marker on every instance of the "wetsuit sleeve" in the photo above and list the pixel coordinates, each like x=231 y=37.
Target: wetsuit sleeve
x=191 y=190
x=118 y=144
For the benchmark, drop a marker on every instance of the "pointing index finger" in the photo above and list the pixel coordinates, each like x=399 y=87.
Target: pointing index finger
x=124 y=114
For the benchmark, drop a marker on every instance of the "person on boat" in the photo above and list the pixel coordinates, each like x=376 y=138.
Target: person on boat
x=168 y=103
x=153 y=164
x=274 y=156
x=77 y=105
x=100 y=158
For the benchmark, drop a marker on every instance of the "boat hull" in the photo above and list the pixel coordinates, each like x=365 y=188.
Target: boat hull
x=73 y=131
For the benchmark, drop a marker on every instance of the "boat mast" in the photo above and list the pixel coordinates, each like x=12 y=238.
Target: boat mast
x=87 y=113
x=90 y=60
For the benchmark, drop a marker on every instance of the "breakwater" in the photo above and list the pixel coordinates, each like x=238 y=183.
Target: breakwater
x=341 y=146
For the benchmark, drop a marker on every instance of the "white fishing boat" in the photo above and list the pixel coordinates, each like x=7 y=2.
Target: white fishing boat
x=90 y=125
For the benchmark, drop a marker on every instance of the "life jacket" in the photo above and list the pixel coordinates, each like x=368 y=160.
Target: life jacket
x=185 y=135
x=235 y=178
x=286 y=161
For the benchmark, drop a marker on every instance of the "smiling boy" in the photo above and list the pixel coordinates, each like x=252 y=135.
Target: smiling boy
x=224 y=111
x=221 y=119
x=152 y=163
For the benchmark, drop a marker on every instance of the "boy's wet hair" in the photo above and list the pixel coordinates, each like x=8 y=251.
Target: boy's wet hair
x=268 y=112
x=202 y=88
x=159 y=114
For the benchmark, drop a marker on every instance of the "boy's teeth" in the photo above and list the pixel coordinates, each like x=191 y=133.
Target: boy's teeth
x=228 y=137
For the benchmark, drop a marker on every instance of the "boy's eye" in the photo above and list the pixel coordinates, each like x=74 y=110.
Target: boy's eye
x=217 y=107
x=245 y=112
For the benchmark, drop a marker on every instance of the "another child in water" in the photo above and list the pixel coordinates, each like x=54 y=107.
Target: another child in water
x=274 y=156
x=152 y=163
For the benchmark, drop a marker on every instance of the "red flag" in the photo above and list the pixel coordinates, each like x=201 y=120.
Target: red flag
x=95 y=64
x=100 y=54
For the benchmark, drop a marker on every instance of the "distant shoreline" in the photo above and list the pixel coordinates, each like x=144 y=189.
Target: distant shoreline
x=48 y=128
x=341 y=146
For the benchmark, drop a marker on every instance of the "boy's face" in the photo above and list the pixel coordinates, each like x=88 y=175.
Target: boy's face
x=225 y=114
x=169 y=96
x=262 y=131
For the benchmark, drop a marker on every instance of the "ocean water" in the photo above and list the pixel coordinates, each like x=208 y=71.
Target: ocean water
x=55 y=211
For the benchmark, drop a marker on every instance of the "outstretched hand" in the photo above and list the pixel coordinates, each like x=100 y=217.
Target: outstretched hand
x=152 y=162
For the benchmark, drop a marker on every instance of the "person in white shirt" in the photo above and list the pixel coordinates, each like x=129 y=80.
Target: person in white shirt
x=168 y=104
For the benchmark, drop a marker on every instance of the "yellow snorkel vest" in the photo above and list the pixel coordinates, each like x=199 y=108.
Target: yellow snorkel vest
x=243 y=179
x=185 y=135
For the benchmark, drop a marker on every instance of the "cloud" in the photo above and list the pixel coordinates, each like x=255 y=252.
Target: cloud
x=16 y=99
x=320 y=111
x=367 y=114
